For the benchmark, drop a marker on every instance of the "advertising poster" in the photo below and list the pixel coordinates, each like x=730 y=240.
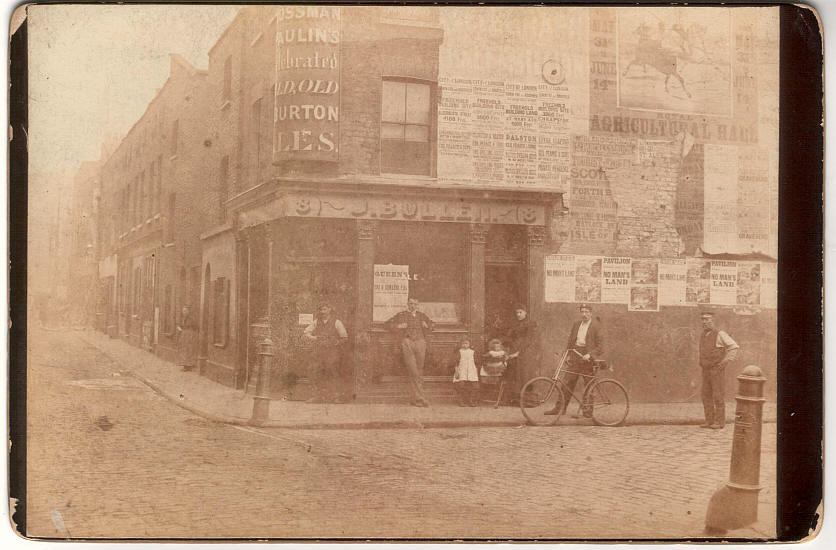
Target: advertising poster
x=749 y=283
x=615 y=287
x=644 y=298
x=673 y=274
x=503 y=133
x=644 y=290
x=723 y=282
x=588 y=279
x=698 y=281
x=769 y=285
x=720 y=179
x=560 y=278
x=391 y=290
x=593 y=213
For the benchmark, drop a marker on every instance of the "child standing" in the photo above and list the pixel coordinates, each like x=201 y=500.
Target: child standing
x=466 y=376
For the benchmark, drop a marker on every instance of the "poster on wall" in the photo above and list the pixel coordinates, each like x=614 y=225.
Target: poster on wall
x=503 y=133
x=644 y=298
x=560 y=278
x=391 y=291
x=673 y=274
x=769 y=285
x=698 y=281
x=644 y=288
x=723 y=282
x=615 y=288
x=588 y=279
x=749 y=283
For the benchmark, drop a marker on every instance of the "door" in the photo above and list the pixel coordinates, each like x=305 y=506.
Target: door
x=505 y=286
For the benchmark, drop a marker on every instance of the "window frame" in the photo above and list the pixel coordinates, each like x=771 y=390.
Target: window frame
x=431 y=125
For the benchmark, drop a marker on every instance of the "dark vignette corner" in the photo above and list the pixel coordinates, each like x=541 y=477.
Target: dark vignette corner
x=18 y=187
x=800 y=389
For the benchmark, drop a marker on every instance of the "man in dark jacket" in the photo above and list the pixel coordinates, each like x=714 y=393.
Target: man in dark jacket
x=587 y=339
x=412 y=326
x=328 y=336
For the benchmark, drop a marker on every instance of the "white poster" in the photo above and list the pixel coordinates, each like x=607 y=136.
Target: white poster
x=769 y=285
x=391 y=290
x=560 y=278
x=673 y=274
x=720 y=210
x=723 y=282
x=616 y=281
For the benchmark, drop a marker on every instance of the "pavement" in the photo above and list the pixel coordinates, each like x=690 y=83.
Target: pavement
x=220 y=403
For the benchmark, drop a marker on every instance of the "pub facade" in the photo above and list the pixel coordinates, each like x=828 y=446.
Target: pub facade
x=344 y=207
x=356 y=156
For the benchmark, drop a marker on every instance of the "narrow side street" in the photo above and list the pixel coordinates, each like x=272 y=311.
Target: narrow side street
x=111 y=458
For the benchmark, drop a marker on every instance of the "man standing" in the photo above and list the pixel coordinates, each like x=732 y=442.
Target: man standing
x=329 y=336
x=587 y=339
x=412 y=326
x=717 y=349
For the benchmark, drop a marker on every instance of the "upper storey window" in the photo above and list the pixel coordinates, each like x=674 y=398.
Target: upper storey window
x=405 y=128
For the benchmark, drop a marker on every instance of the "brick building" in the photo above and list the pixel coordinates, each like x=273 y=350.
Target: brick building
x=319 y=158
x=148 y=232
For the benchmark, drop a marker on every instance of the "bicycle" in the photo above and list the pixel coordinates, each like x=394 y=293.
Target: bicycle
x=604 y=399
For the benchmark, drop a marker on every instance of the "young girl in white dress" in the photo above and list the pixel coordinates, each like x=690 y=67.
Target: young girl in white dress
x=466 y=375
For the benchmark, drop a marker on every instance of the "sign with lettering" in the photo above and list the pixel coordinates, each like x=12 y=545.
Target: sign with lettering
x=616 y=284
x=391 y=291
x=672 y=278
x=723 y=282
x=307 y=112
x=560 y=278
x=412 y=209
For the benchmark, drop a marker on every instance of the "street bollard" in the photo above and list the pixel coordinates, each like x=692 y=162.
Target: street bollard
x=261 y=402
x=735 y=505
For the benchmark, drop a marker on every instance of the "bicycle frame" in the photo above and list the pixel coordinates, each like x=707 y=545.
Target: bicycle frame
x=587 y=378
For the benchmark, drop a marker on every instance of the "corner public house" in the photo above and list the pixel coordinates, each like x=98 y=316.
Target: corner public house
x=302 y=167
x=308 y=202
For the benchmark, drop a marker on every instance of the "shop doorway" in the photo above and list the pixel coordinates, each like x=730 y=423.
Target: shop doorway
x=505 y=286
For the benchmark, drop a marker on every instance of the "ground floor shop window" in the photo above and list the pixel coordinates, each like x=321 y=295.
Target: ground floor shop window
x=431 y=259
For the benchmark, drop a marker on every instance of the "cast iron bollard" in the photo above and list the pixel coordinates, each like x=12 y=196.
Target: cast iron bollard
x=735 y=504
x=261 y=403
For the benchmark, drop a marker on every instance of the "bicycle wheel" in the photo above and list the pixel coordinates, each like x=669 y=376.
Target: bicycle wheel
x=609 y=402
x=539 y=396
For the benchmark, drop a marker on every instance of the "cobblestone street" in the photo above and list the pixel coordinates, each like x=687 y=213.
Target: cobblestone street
x=109 y=458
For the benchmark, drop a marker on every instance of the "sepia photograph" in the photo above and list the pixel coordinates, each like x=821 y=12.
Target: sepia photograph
x=336 y=272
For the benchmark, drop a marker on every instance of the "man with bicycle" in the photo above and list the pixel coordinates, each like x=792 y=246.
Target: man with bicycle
x=585 y=345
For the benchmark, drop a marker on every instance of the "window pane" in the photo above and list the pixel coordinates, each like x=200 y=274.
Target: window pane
x=417 y=133
x=418 y=103
x=391 y=131
x=393 y=101
x=405 y=157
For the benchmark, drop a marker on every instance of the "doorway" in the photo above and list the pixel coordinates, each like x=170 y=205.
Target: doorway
x=505 y=286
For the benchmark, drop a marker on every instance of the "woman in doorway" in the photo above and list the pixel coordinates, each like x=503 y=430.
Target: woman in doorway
x=524 y=355
x=187 y=340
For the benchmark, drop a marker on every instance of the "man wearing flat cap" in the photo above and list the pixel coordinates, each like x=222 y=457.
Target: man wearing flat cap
x=587 y=339
x=328 y=336
x=717 y=349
